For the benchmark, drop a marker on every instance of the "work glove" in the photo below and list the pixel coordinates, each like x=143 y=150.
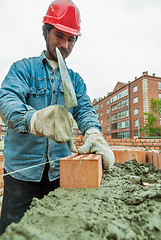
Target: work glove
x=95 y=143
x=53 y=122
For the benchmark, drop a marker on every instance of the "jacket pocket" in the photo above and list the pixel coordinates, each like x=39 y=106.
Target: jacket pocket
x=37 y=95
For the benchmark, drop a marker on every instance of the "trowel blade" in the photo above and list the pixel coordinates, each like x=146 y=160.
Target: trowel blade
x=70 y=99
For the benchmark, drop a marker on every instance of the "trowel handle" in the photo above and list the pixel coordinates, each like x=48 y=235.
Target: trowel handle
x=71 y=146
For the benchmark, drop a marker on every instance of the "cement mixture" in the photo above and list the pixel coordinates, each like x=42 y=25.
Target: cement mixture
x=121 y=209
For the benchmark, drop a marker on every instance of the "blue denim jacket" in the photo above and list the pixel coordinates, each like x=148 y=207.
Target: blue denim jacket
x=30 y=85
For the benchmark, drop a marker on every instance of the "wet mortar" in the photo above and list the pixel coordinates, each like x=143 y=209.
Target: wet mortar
x=121 y=209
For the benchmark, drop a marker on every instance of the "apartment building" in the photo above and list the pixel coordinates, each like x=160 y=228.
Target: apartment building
x=3 y=130
x=121 y=112
x=76 y=135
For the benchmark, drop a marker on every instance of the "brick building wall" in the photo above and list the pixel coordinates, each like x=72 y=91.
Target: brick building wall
x=3 y=130
x=121 y=112
x=1 y=177
x=147 y=143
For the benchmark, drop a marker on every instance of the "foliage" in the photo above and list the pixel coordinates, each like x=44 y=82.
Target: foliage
x=156 y=106
x=151 y=129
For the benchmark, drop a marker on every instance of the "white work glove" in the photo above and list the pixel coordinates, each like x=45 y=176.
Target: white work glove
x=55 y=123
x=95 y=143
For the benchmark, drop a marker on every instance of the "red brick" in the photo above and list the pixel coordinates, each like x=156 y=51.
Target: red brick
x=149 y=140
x=148 y=144
x=149 y=156
x=157 y=140
x=125 y=154
x=156 y=158
x=81 y=171
x=157 y=144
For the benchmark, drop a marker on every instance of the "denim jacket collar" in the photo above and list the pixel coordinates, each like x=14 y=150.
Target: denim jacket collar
x=44 y=59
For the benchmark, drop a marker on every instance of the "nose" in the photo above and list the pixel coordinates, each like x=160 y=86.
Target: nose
x=65 y=42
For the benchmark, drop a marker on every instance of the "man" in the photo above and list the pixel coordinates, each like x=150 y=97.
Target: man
x=39 y=126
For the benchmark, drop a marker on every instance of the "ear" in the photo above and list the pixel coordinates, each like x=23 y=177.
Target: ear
x=44 y=30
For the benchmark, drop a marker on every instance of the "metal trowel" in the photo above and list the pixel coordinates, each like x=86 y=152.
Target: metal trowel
x=70 y=99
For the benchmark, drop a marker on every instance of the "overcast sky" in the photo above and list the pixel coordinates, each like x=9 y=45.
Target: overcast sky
x=120 y=39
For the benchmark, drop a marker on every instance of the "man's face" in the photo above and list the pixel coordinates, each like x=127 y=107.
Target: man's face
x=62 y=40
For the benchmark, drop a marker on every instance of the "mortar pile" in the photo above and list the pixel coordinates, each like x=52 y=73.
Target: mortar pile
x=122 y=208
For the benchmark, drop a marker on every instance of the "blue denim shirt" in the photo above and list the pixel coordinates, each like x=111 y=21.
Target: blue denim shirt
x=30 y=85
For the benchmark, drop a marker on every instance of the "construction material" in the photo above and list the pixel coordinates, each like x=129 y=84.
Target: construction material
x=119 y=209
x=123 y=154
x=81 y=171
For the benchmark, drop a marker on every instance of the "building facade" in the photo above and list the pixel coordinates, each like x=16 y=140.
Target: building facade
x=76 y=135
x=121 y=112
x=3 y=130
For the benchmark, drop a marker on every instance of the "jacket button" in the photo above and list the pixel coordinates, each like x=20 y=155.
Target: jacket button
x=51 y=169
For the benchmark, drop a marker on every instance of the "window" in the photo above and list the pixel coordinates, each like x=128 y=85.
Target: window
x=159 y=85
x=124 y=134
x=135 y=100
x=123 y=94
x=101 y=106
x=136 y=111
x=114 y=107
x=108 y=102
x=136 y=134
x=136 y=123
x=123 y=114
x=123 y=104
x=97 y=107
x=108 y=110
x=159 y=95
x=108 y=120
x=135 y=89
x=114 y=135
x=114 y=98
x=97 y=114
x=101 y=114
x=108 y=128
x=124 y=124
x=114 y=126
x=114 y=117
x=101 y=121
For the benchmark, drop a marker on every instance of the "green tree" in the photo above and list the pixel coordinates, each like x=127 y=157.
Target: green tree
x=156 y=106
x=151 y=129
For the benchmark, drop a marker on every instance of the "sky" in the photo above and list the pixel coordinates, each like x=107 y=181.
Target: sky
x=120 y=39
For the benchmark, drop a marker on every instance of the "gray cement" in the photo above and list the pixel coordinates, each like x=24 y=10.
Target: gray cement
x=121 y=209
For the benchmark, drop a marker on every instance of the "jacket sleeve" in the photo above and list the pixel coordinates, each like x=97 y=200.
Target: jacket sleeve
x=13 y=93
x=84 y=113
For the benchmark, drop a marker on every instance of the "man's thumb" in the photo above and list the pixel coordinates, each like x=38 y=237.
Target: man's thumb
x=84 y=149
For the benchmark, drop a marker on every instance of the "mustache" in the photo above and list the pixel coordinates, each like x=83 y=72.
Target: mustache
x=63 y=50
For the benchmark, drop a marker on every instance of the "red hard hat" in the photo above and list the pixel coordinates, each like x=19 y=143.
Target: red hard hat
x=64 y=15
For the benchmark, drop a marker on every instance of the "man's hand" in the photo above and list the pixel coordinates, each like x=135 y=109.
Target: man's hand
x=95 y=143
x=53 y=122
